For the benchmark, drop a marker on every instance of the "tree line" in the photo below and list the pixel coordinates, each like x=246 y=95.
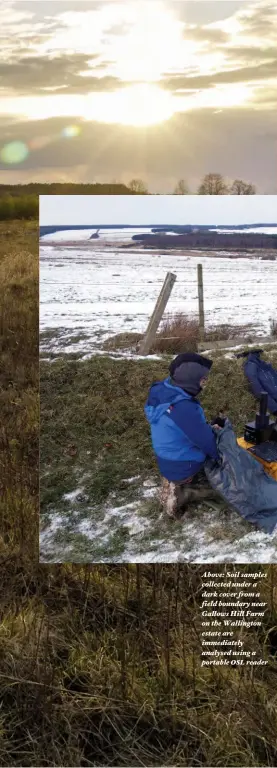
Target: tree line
x=211 y=184
x=21 y=201
x=211 y=240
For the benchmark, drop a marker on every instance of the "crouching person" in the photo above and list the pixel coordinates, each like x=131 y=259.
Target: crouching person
x=181 y=436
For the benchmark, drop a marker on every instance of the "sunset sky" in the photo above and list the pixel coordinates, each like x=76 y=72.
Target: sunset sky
x=157 y=89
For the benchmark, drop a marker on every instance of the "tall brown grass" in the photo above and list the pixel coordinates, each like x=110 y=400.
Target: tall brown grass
x=19 y=382
x=100 y=665
x=179 y=333
x=273 y=327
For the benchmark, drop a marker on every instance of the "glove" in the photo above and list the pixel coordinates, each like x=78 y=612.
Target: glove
x=219 y=421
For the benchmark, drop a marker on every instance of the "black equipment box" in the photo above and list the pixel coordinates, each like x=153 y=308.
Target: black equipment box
x=263 y=429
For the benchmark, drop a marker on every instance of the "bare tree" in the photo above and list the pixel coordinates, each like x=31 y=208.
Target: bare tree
x=181 y=188
x=240 y=187
x=213 y=184
x=138 y=186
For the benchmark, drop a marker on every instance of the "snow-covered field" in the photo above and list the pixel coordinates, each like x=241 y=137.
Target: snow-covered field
x=124 y=235
x=105 y=235
x=92 y=295
x=86 y=297
x=259 y=230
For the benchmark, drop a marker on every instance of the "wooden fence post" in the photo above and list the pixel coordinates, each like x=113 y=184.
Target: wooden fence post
x=201 y=301
x=239 y=341
x=147 y=341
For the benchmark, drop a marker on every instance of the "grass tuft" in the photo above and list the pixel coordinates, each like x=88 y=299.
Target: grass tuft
x=179 y=333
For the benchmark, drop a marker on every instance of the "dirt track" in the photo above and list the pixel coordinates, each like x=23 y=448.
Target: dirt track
x=92 y=245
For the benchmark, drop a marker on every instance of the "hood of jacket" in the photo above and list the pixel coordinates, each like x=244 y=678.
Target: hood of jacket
x=161 y=396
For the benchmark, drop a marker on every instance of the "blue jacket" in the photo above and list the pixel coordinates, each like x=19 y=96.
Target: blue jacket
x=181 y=437
x=262 y=377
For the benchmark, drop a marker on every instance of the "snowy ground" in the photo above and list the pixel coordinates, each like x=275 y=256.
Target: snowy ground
x=105 y=235
x=135 y=532
x=86 y=297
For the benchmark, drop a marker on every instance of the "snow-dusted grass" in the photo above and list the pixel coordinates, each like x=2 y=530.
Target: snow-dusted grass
x=99 y=482
x=139 y=532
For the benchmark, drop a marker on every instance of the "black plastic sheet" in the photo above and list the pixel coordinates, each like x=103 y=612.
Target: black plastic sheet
x=242 y=481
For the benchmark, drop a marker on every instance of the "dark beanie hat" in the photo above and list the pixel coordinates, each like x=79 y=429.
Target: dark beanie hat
x=189 y=357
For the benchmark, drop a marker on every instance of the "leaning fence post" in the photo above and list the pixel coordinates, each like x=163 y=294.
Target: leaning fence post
x=201 y=301
x=156 y=317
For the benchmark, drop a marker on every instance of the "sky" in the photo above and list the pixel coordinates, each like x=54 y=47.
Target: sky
x=163 y=209
x=103 y=90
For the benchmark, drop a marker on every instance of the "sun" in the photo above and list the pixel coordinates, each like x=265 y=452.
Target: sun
x=136 y=105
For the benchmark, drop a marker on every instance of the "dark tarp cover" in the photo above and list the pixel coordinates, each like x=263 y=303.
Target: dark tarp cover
x=242 y=481
x=262 y=377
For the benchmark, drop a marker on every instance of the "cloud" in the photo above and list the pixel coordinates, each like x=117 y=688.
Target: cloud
x=31 y=74
x=237 y=144
x=208 y=11
x=207 y=34
x=240 y=75
x=250 y=52
x=28 y=69
x=43 y=8
x=259 y=19
x=266 y=96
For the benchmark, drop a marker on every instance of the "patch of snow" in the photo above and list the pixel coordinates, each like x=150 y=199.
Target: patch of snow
x=149 y=492
x=47 y=535
x=130 y=480
x=73 y=495
x=256 y=230
x=238 y=347
x=105 y=235
x=149 y=483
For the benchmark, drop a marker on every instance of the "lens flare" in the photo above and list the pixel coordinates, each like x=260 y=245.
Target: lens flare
x=14 y=152
x=70 y=131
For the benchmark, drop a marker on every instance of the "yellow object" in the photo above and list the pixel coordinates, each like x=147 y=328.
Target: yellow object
x=269 y=466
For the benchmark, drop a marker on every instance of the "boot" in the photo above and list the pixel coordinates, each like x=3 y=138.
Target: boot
x=201 y=486
x=187 y=495
x=167 y=498
x=175 y=498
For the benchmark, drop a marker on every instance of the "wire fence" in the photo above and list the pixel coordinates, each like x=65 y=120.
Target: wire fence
x=117 y=295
